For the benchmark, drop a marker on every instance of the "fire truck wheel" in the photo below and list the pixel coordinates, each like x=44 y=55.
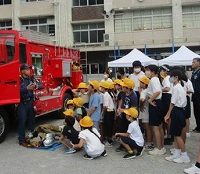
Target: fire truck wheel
x=67 y=97
x=4 y=125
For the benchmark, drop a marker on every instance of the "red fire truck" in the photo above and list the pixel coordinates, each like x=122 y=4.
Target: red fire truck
x=51 y=65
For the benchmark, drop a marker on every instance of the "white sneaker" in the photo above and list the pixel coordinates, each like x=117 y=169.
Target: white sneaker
x=172 y=157
x=156 y=151
x=188 y=135
x=192 y=170
x=107 y=144
x=182 y=159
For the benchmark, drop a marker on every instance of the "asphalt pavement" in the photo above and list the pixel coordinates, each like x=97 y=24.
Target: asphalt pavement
x=15 y=159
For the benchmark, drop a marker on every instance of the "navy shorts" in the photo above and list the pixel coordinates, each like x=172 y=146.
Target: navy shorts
x=166 y=100
x=177 y=121
x=156 y=116
x=188 y=108
x=131 y=143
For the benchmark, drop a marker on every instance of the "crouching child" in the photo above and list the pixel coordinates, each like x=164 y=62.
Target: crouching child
x=69 y=135
x=90 y=140
x=132 y=140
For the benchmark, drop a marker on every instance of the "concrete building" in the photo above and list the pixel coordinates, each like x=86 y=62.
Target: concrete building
x=107 y=29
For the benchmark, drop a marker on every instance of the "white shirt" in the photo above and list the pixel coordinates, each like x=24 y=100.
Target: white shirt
x=179 y=96
x=135 y=78
x=94 y=147
x=155 y=86
x=135 y=133
x=108 y=101
x=166 y=84
x=188 y=87
x=77 y=126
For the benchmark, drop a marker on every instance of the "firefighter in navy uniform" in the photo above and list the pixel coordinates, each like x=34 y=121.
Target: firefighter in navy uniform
x=196 y=95
x=25 y=110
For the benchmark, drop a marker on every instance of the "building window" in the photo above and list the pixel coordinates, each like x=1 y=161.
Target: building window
x=93 y=68
x=33 y=0
x=4 y=2
x=39 y=25
x=7 y=25
x=191 y=17
x=88 y=33
x=87 y=2
x=148 y=19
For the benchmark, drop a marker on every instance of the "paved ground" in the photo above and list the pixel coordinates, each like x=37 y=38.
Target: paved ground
x=15 y=159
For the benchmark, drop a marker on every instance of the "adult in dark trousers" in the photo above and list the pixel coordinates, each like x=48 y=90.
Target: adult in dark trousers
x=196 y=95
x=25 y=110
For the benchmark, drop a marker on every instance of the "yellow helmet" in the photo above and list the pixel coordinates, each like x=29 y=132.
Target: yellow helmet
x=105 y=84
x=86 y=122
x=95 y=84
x=82 y=86
x=111 y=85
x=144 y=79
x=128 y=83
x=78 y=102
x=117 y=82
x=70 y=102
x=133 y=112
x=69 y=112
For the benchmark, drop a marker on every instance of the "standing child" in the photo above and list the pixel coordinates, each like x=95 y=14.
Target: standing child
x=155 y=111
x=177 y=114
x=108 y=112
x=69 y=134
x=189 y=90
x=132 y=140
x=166 y=98
x=90 y=140
x=94 y=103
x=144 y=112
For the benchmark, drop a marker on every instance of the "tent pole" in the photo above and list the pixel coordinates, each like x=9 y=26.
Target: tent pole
x=173 y=47
x=145 y=49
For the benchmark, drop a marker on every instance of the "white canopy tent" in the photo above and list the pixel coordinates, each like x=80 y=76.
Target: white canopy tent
x=182 y=57
x=127 y=60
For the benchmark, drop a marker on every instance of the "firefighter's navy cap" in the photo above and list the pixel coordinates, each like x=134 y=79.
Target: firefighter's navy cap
x=24 y=67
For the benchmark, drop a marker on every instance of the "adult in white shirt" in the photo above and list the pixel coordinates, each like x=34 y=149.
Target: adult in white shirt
x=155 y=110
x=137 y=73
x=90 y=140
x=177 y=114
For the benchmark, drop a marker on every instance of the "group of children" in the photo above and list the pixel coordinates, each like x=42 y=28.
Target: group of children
x=137 y=111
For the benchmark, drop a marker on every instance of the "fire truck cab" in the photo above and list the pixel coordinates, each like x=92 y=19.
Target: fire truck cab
x=57 y=68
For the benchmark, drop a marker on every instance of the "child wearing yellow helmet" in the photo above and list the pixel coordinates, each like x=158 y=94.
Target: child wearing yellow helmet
x=69 y=134
x=70 y=104
x=94 y=109
x=128 y=99
x=82 y=92
x=108 y=112
x=144 y=112
x=90 y=139
x=132 y=140
x=80 y=110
